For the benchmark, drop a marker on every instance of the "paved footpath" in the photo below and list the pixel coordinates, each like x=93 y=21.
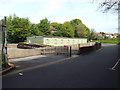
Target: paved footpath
x=33 y=62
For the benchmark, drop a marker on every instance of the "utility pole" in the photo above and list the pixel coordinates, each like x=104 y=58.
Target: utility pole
x=1 y=48
x=5 y=26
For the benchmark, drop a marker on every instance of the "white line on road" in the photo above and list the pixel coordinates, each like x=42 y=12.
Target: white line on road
x=113 y=68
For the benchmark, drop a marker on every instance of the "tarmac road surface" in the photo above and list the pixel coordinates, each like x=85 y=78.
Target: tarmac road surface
x=91 y=70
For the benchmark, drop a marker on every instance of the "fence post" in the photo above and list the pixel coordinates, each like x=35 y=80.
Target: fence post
x=55 y=50
x=67 y=51
x=54 y=53
x=79 y=46
x=60 y=50
x=50 y=48
x=43 y=51
x=100 y=43
x=70 y=51
x=79 y=49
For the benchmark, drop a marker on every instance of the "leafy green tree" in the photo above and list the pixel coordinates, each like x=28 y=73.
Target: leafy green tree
x=44 y=26
x=102 y=33
x=34 y=31
x=74 y=23
x=67 y=30
x=83 y=31
x=58 y=33
x=87 y=30
x=54 y=24
x=20 y=28
x=92 y=34
x=17 y=28
x=57 y=26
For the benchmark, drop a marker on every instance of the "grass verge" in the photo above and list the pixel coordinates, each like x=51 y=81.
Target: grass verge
x=109 y=41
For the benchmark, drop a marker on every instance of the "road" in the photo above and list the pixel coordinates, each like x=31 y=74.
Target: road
x=90 y=70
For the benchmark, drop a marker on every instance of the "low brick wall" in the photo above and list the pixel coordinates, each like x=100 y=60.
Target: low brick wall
x=76 y=47
x=14 y=52
x=12 y=45
x=89 y=48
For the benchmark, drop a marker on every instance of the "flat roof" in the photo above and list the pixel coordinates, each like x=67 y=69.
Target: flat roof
x=55 y=37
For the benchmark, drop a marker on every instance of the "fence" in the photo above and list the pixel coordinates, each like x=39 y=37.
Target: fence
x=59 y=50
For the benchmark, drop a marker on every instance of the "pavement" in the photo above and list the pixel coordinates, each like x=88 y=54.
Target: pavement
x=92 y=70
x=33 y=62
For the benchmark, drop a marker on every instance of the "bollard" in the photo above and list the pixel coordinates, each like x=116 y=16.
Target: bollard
x=70 y=51
x=67 y=51
x=55 y=50
x=79 y=48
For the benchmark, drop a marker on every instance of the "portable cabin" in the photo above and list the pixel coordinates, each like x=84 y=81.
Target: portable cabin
x=55 y=41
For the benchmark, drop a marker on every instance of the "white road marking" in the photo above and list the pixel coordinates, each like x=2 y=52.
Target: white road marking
x=113 y=68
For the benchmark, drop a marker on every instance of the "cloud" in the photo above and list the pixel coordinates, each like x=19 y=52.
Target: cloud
x=36 y=7
x=58 y=11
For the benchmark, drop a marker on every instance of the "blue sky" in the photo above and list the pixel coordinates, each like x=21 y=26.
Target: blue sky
x=61 y=11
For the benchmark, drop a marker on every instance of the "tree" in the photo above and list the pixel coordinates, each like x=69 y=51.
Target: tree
x=58 y=33
x=92 y=34
x=102 y=33
x=108 y=5
x=87 y=30
x=44 y=26
x=17 y=29
x=67 y=30
x=57 y=26
x=34 y=31
x=20 y=28
x=81 y=31
x=74 y=23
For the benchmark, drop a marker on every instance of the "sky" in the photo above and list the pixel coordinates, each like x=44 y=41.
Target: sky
x=61 y=11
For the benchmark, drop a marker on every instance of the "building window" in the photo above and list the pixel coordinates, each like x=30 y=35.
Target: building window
x=29 y=41
x=61 y=41
x=47 y=40
x=55 y=41
x=84 y=41
x=81 y=41
x=68 y=41
x=73 y=41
